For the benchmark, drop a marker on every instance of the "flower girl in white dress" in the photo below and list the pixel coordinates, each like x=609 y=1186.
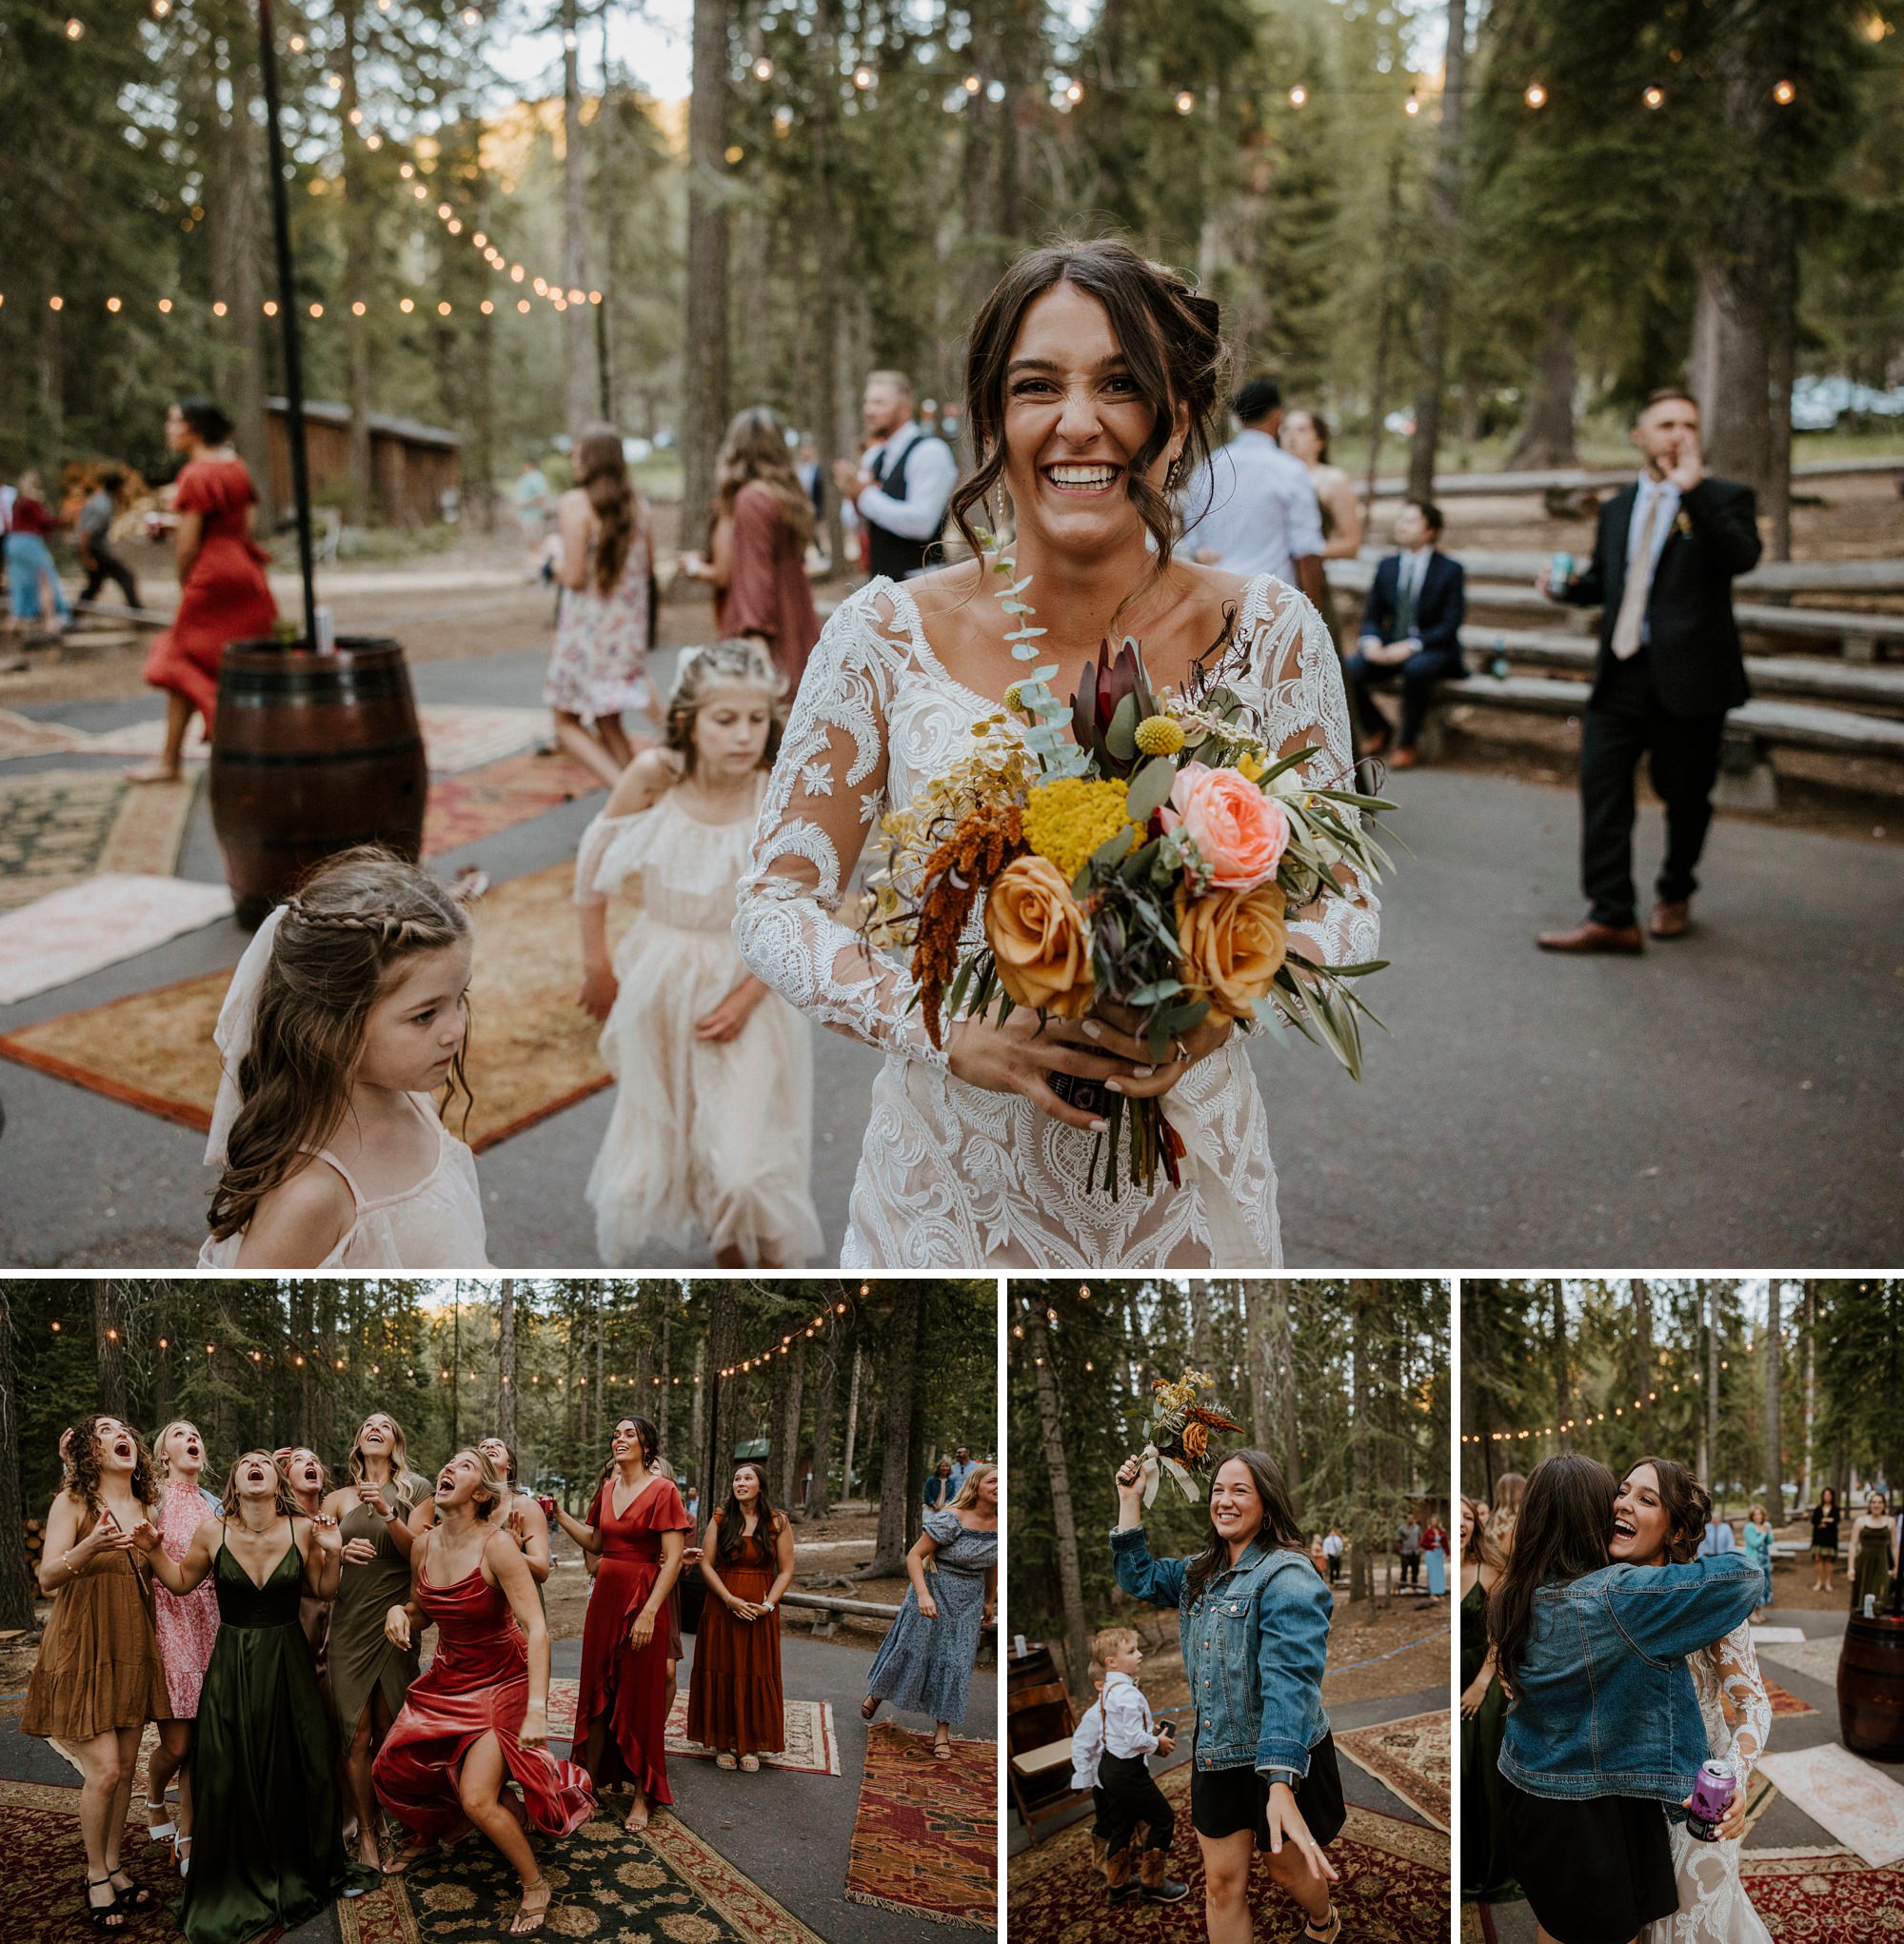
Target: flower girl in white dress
x=345 y=1020
x=711 y=1131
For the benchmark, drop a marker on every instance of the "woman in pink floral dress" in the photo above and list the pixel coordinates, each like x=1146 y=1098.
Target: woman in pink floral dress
x=186 y=1629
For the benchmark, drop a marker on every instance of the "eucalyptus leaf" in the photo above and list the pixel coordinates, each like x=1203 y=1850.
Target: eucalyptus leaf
x=1150 y=788
x=1149 y=995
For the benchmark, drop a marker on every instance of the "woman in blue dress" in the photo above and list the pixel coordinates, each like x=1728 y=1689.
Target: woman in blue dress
x=924 y=1664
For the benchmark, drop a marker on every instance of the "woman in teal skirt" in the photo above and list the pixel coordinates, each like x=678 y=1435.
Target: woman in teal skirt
x=269 y=1848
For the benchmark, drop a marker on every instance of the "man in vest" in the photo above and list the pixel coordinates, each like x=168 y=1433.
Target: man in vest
x=901 y=487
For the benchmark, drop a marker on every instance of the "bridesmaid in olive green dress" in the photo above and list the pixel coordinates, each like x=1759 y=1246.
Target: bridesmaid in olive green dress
x=1872 y=1557
x=379 y=1513
x=1485 y=1878
x=270 y=1851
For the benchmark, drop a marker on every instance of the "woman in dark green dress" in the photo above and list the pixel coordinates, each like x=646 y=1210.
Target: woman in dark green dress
x=269 y=1848
x=1874 y=1560
x=1485 y=1877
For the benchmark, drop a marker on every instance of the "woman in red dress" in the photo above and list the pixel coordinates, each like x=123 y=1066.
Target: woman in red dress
x=223 y=594
x=734 y=1700
x=639 y=1526
x=477 y=1717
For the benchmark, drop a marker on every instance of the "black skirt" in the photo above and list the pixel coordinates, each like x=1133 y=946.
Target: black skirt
x=1595 y=1870
x=1222 y=1801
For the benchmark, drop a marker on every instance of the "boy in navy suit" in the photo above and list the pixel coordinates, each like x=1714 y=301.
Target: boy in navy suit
x=1410 y=632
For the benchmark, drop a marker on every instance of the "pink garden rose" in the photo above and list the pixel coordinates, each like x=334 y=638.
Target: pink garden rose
x=1241 y=832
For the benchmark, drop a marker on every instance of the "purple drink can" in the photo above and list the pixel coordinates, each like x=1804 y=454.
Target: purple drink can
x=1560 y=570
x=1712 y=1797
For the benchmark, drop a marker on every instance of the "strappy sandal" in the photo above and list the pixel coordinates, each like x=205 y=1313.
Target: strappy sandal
x=942 y=1748
x=527 y=1921
x=1333 y=1920
x=134 y=1895
x=724 y=1760
x=166 y=1832
x=750 y=1764
x=182 y=1854
x=642 y=1808
x=869 y=1707
x=106 y=1916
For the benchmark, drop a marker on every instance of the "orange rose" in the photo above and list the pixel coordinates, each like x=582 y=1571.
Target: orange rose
x=1038 y=933
x=1234 y=943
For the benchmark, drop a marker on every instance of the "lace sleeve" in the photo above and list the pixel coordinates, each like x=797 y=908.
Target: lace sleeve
x=827 y=790
x=1747 y=1708
x=1308 y=704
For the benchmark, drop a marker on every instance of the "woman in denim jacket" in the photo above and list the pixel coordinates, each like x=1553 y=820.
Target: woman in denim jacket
x=1253 y=1617
x=1604 y=1736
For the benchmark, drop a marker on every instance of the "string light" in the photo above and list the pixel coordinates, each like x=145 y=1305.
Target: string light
x=1185 y=101
x=1784 y=94
x=1654 y=98
x=1535 y=96
x=1413 y=105
x=1298 y=95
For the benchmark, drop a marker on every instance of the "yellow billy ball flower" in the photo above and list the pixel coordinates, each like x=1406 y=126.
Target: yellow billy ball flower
x=1159 y=736
x=1069 y=820
x=1015 y=697
x=1251 y=764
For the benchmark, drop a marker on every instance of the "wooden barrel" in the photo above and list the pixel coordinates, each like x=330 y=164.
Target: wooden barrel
x=311 y=754
x=1870 y=1687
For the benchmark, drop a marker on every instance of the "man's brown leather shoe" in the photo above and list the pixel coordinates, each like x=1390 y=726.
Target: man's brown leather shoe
x=1671 y=917
x=1592 y=937
x=1403 y=758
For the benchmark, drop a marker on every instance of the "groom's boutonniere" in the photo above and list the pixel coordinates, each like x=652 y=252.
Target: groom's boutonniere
x=1683 y=523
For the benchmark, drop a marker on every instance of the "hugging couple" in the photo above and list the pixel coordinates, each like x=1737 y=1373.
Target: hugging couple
x=1629 y=1665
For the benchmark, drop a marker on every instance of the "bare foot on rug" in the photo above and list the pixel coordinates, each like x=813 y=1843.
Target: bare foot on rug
x=154 y=772
x=534 y=1908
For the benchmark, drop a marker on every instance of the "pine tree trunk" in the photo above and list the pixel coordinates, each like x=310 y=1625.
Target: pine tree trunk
x=786 y=1431
x=696 y=1416
x=108 y=1346
x=1807 y=1492
x=1774 y=1354
x=1437 y=294
x=662 y=1409
x=1712 y=1393
x=1199 y=1324
x=902 y=1348
x=16 y=1579
x=235 y=261
x=1063 y=1517
x=820 y=1492
x=705 y=398
x=1363 y=1539
x=827 y=416
x=1641 y=1296
x=724 y=1335
x=505 y=1361
x=1546 y=439
x=852 y=1423
x=578 y=353
x=1563 y=1388
x=1776 y=501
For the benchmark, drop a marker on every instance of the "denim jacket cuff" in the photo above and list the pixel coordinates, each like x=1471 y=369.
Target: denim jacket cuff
x=1278 y=1751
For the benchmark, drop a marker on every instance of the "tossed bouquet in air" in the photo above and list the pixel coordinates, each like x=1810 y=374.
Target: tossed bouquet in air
x=1177 y=1435
x=1139 y=871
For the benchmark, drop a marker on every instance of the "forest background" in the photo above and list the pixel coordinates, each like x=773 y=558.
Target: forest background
x=1770 y=1390
x=1499 y=222
x=861 y=1383
x=1343 y=1383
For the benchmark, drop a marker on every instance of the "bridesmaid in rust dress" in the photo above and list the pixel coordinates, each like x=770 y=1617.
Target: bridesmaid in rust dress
x=477 y=1717
x=734 y=1700
x=223 y=594
x=638 y=1526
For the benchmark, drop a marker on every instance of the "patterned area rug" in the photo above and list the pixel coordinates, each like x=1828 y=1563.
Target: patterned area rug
x=42 y=1866
x=1824 y=1897
x=60 y=826
x=811 y=1747
x=926 y=1841
x=1784 y=1701
x=95 y=923
x=1851 y=1799
x=532 y=1049
x=22 y=735
x=1394 y=1887
x=666 y=1888
x=1410 y=1757
x=1817 y=1659
x=478 y=803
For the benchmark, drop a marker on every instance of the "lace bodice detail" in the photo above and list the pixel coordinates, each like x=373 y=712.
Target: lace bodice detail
x=1732 y=1703
x=879 y=716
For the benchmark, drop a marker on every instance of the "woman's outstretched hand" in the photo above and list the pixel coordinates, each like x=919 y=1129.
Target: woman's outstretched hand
x=1286 y=1825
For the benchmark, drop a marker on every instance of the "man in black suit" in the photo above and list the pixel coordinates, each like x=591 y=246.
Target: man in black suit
x=1411 y=631
x=1670 y=666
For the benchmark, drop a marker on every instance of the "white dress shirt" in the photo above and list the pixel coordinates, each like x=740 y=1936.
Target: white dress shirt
x=1130 y=1729
x=1255 y=505
x=930 y=475
x=1087 y=1747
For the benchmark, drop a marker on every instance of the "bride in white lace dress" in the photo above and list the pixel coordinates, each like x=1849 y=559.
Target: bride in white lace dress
x=1664 y=1509
x=1091 y=384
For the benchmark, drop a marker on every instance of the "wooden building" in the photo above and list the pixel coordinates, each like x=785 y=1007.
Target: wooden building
x=412 y=466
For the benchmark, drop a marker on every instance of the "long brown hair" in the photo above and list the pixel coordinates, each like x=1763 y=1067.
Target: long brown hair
x=359 y=916
x=755 y=451
x=736 y=662
x=86 y=1471
x=1481 y=1546
x=731 y=1522
x=602 y=472
x=406 y=1487
x=1173 y=353
x=1280 y=1531
x=1564 y=1523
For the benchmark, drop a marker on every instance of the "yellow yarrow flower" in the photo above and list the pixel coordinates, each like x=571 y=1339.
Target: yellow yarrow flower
x=1159 y=736
x=1067 y=820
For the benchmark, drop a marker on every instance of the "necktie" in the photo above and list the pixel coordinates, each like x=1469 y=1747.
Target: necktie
x=1404 y=598
x=1638 y=581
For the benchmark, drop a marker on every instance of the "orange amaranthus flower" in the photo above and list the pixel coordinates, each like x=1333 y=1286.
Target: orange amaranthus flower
x=982 y=844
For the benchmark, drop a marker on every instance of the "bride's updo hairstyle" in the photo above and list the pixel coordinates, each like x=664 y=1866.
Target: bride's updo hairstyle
x=1687 y=1504
x=1173 y=352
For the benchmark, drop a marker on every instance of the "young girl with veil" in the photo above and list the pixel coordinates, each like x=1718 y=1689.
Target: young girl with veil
x=711 y=1130
x=345 y=1018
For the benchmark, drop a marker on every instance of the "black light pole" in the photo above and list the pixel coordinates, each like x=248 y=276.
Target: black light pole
x=281 y=226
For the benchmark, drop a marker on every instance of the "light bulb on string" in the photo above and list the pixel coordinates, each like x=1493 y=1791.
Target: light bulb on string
x=863 y=77
x=1186 y=102
x=764 y=69
x=1535 y=96
x=1413 y=107
x=1784 y=94
x=1654 y=98
x=1298 y=95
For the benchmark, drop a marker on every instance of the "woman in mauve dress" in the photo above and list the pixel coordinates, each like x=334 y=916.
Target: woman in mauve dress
x=639 y=1526
x=223 y=594
x=476 y=1718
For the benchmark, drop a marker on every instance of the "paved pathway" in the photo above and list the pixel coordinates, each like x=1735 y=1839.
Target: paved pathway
x=1730 y=1102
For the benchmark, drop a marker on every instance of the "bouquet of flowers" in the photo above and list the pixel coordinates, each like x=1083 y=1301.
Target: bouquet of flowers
x=1176 y=1439
x=1139 y=871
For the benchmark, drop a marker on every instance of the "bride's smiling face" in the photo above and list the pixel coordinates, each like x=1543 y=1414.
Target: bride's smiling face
x=1641 y=1525
x=1073 y=419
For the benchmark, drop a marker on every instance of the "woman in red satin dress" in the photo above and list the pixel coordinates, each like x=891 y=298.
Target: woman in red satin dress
x=639 y=1526
x=223 y=594
x=476 y=1718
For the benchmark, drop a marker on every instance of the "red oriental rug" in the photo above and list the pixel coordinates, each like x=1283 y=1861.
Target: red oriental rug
x=1394 y=1887
x=926 y=1841
x=1410 y=1757
x=480 y=803
x=1824 y=1897
x=1784 y=1701
x=43 y=1869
